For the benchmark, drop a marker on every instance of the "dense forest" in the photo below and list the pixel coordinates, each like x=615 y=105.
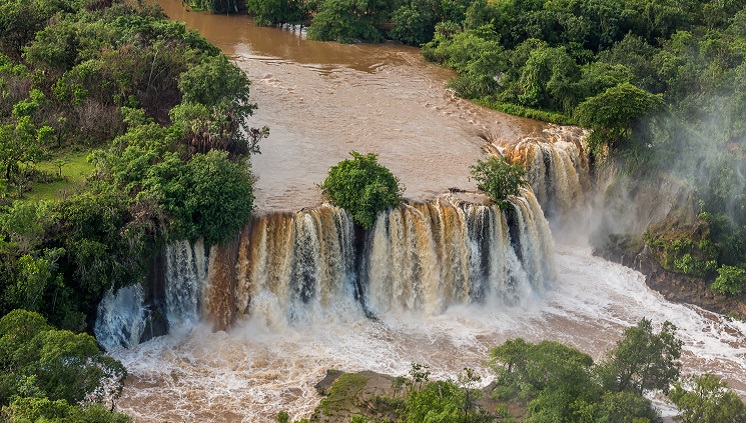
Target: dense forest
x=161 y=116
x=157 y=118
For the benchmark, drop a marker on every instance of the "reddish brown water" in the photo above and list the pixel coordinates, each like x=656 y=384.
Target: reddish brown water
x=322 y=100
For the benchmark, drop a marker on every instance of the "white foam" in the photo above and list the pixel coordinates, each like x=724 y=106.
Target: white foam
x=255 y=371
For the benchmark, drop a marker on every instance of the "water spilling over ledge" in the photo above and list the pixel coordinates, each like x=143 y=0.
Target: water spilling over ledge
x=315 y=265
x=557 y=167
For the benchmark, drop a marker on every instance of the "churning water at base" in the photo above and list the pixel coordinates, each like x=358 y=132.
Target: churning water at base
x=120 y=320
x=253 y=371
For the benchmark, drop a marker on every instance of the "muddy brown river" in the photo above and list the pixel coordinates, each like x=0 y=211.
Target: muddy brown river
x=322 y=100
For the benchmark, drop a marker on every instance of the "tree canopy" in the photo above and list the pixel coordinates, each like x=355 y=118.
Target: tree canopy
x=499 y=179
x=363 y=187
x=49 y=373
x=706 y=398
x=164 y=118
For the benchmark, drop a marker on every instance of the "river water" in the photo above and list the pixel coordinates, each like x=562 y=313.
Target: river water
x=322 y=100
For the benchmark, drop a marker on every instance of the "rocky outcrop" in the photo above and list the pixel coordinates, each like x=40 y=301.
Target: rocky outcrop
x=681 y=288
x=666 y=211
x=364 y=393
x=675 y=287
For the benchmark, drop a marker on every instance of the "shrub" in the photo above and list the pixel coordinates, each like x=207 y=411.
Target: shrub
x=345 y=21
x=499 y=179
x=729 y=281
x=363 y=187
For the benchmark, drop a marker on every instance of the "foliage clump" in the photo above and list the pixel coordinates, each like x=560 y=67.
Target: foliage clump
x=169 y=115
x=706 y=399
x=55 y=374
x=345 y=21
x=363 y=187
x=499 y=179
x=729 y=281
x=560 y=383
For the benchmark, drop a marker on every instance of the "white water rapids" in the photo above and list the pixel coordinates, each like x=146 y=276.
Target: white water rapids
x=254 y=371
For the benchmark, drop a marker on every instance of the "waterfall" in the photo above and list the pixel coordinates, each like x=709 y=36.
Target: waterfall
x=296 y=267
x=121 y=317
x=426 y=257
x=185 y=277
x=310 y=266
x=557 y=168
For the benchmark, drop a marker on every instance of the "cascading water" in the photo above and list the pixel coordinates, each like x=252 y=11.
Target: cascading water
x=185 y=277
x=429 y=256
x=307 y=266
x=120 y=320
x=296 y=267
x=556 y=167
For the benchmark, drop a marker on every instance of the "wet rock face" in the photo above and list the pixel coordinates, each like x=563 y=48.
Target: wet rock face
x=674 y=287
x=154 y=286
x=666 y=210
x=689 y=289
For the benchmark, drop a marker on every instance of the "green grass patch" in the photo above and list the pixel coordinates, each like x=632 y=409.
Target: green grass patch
x=343 y=394
x=74 y=171
x=527 y=112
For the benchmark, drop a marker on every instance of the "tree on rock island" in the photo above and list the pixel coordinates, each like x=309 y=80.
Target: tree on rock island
x=363 y=187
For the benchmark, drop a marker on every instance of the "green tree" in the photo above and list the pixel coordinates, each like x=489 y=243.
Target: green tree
x=414 y=22
x=21 y=19
x=625 y=407
x=729 y=281
x=476 y=55
x=363 y=187
x=706 y=399
x=216 y=109
x=643 y=360
x=22 y=143
x=215 y=81
x=23 y=410
x=445 y=401
x=615 y=114
x=40 y=361
x=268 y=12
x=345 y=21
x=208 y=196
x=499 y=179
x=547 y=80
x=552 y=378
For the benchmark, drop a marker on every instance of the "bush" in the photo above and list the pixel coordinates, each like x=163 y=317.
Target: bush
x=499 y=179
x=706 y=399
x=614 y=114
x=209 y=196
x=363 y=187
x=729 y=281
x=345 y=21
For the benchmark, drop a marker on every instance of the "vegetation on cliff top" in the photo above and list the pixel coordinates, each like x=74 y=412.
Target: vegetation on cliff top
x=363 y=187
x=162 y=116
x=499 y=179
